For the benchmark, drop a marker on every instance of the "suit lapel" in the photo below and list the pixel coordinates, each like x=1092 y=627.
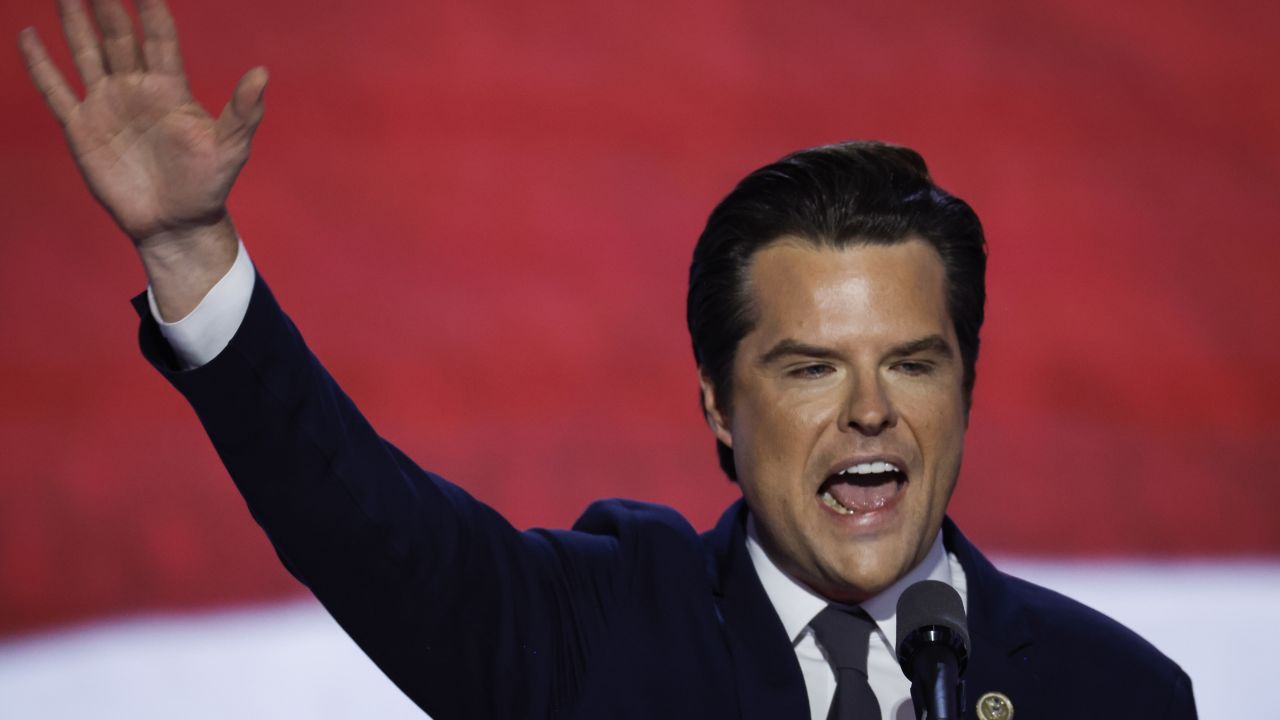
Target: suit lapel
x=1000 y=636
x=766 y=672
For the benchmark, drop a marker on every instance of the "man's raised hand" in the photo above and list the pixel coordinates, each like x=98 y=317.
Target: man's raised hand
x=155 y=159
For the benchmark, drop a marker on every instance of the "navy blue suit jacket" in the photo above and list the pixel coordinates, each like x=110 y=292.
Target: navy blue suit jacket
x=631 y=614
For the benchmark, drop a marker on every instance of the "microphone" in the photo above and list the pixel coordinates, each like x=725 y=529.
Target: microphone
x=933 y=648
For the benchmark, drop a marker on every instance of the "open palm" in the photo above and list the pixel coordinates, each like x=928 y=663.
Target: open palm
x=154 y=158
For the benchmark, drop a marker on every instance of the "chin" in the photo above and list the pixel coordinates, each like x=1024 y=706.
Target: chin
x=856 y=581
x=853 y=588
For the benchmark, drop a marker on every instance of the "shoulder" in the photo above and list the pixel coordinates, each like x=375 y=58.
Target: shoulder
x=1073 y=655
x=1011 y=607
x=639 y=523
x=659 y=556
x=1107 y=663
x=1062 y=622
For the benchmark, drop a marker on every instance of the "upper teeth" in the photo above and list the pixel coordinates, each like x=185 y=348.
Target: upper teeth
x=868 y=468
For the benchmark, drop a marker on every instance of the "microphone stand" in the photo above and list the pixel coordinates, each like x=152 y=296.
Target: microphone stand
x=936 y=689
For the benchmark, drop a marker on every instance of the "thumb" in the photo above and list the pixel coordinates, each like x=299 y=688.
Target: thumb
x=244 y=111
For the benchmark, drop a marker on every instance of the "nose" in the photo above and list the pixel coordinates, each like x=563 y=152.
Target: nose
x=869 y=410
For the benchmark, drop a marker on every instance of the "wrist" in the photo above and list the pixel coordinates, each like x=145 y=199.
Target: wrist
x=183 y=264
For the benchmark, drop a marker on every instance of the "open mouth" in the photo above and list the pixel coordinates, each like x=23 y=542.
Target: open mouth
x=862 y=488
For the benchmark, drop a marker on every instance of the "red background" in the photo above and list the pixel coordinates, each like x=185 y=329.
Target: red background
x=481 y=215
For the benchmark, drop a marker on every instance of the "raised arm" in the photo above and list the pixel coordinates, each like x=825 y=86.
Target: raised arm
x=151 y=155
x=468 y=616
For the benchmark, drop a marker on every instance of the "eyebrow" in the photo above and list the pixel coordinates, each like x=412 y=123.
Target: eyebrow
x=934 y=344
x=789 y=346
x=931 y=344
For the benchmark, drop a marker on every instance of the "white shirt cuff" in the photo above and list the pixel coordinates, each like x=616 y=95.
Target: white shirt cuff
x=205 y=331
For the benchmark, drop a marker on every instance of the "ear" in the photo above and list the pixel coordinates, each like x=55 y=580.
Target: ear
x=717 y=420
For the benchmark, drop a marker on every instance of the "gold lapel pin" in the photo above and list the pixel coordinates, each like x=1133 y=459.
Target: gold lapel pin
x=995 y=706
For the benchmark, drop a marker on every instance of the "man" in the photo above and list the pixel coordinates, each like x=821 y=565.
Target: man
x=835 y=304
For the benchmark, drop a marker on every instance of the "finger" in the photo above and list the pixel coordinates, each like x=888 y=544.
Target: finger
x=83 y=42
x=244 y=111
x=57 y=93
x=160 y=44
x=118 y=44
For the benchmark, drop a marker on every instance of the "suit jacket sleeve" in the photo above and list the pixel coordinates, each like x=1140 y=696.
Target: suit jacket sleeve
x=1182 y=703
x=468 y=616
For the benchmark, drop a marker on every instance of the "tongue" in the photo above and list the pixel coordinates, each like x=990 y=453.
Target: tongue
x=863 y=498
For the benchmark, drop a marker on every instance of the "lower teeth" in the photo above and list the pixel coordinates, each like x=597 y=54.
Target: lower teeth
x=834 y=504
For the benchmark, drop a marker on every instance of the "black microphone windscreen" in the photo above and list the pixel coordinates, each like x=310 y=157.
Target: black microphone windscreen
x=930 y=602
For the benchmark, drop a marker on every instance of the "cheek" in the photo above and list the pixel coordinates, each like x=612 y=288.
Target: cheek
x=942 y=445
x=953 y=423
x=783 y=434
x=774 y=440
x=936 y=411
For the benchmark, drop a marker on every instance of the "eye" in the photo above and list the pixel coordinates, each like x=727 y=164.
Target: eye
x=913 y=367
x=805 y=372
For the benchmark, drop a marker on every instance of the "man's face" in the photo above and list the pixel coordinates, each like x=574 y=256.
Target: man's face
x=848 y=416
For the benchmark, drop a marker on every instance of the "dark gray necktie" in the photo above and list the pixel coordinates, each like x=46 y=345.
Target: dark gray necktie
x=844 y=634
